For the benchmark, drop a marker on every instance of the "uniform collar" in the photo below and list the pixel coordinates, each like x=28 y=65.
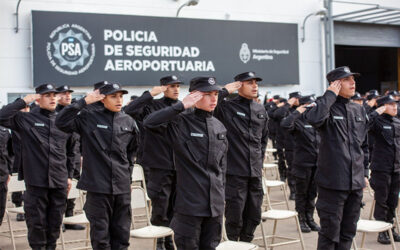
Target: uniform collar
x=59 y=107
x=387 y=117
x=202 y=113
x=169 y=101
x=46 y=112
x=341 y=99
x=244 y=99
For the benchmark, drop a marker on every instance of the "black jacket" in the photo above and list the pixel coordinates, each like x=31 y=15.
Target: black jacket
x=154 y=149
x=200 y=146
x=386 y=150
x=6 y=153
x=108 y=140
x=247 y=125
x=44 y=149
x=270 y=107
x=306 y=139
x=343 y=153
x=288 y=138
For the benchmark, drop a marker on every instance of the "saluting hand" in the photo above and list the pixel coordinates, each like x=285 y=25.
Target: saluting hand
x=302 y=108
x=280 y=104
x=158 y=90
x=335 y=87
x=93 y=97
x=292 y=101
x=30 y=98
x=191 y=99
x=381 y=109
x=372 y=102
x=233 y=86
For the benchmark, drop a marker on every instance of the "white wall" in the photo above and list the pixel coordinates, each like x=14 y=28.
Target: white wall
x=15 y=54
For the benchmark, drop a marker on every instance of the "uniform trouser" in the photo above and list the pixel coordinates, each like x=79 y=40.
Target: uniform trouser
x=193 y=232
x=69 y=211
x=244 y=196
x=339 y=212
x=281 y=163
x=306 y=189
x=44 y=209
x=273 y=140
x=110 y=220
x=17 y=198
x=161 y=189
x=3 y=199
x=386 y=187
x=289 y=155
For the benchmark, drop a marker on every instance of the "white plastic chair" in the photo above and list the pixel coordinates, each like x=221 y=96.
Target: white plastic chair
x=276 y=215
x=149 y=231
x=14 y=186
x=227 y=244
x=80 y=219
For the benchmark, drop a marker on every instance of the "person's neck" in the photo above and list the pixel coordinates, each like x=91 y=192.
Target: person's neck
x=244 y=96
x=346 y=97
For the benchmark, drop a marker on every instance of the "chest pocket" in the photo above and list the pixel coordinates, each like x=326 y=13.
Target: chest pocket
x=124 y=135
x=192 y=150
x=240 y=124
x=309 y=132
x=388 y=134
x=360 y=127
x=100 y=137
x=221 y=146
x=338 y=123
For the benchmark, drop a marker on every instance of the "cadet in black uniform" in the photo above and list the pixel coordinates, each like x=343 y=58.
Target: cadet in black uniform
x=279 y=138
x=288 y=141
x=108 y=140
x=385 y=162
x=305 y=157
x=64 y=99
x=5 y=167
x=200 y=147
x=44 y=156
x=156 y=157
x=342 y=168
x=247 y=125
x=270 y=107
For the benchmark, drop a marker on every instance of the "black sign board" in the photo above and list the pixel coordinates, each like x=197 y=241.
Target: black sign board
x=80 y=49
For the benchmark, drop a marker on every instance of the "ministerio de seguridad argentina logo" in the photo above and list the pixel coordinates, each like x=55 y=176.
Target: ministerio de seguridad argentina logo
x=244 y=53
x=70 y=49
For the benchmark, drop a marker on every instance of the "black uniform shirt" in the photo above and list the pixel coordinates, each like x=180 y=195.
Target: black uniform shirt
x=270 y=107
x=5 y=154
x=288 y=137
x=306 y=139
x=386 y=150
x=343 y=152
x=108 y=140
x=200 y=148
x=155 y=152
x=247 y=125
x=44 y=146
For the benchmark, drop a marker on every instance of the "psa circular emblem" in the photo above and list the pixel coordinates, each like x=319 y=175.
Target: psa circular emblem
x=70 y=49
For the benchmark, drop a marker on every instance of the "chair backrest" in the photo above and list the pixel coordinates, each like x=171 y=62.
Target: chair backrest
x=138 y=200
x=137 y=173
x=15 y=185
x=266 y=194
x=74 y=192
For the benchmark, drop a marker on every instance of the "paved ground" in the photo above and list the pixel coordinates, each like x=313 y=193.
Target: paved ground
x=286 y=227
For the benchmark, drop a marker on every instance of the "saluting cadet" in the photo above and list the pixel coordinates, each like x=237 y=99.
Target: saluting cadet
x=74 y=158
x=247 y=125
x=342 y=167
x=5 y=167
x=44 y=164
x=270 y=107
x=385 y=162
x=288 y=141
x=280 y=139
x=109 y=138
x=305 y=157
x=156 y=155
x=200 y=146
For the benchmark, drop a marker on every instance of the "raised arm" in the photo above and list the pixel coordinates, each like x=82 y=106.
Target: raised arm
x=10 y=116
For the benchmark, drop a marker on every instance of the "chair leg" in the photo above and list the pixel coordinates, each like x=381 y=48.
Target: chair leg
x=300 y=234
x=273 y=233
x=62 y=238
x=173 y=240
x=363 y=240
x=286 y=197
x=354 y=244
x=155 y=244
x=263 y=235
x=11 y=230
x=87 y=235
x=391 y=239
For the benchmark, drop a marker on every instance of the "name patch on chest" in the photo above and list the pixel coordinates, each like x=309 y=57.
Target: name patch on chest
x=307 y=126
x=387 y=127
x=39 y=124
x=196 y=134
x=102 y=126
x=240 y=114
x=338 y=117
